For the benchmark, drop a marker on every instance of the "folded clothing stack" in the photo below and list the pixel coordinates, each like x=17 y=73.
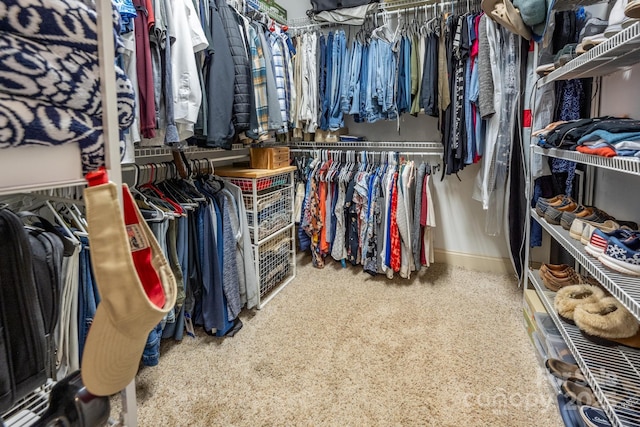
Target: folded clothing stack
x=602 y=136
x=50 y=90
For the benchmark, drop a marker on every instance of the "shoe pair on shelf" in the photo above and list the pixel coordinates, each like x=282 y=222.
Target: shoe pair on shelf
x=566 y=54
x=563 y=210
x=575 y=389
x=600 y=27
x=556 y=276
x=551 y=209
x=601 y=318
x=618 y=250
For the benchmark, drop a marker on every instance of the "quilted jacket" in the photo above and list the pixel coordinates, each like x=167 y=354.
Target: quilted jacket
x=242 y=89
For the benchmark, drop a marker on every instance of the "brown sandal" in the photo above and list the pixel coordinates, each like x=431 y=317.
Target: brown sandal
x=580 y=394
x=565 y=371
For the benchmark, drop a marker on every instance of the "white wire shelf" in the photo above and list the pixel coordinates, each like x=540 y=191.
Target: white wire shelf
x=618 y=52
x=630 y=165
x=613 y=372
x=435 y=147
x=625 y=288
x=147 y=152
x=30 y=408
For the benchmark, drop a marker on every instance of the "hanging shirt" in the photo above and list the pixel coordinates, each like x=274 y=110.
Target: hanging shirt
x=395 y=260
x=338 y=75
x=259 y=82
x=144 y=71
x=279 y=71
x=275 y=115
x=429 y=94
x=416 y=241
x=338 y=250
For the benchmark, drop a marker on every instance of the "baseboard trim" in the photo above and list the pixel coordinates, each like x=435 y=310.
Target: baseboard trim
x=474 y=262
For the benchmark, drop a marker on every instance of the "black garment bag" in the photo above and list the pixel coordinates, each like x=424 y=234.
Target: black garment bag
x=22 y=336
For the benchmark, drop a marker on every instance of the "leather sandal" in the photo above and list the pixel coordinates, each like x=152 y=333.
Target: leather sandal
x=570 y=297
x=579 y=393
x=565 y=371
x=608 y=322
x=555 y=277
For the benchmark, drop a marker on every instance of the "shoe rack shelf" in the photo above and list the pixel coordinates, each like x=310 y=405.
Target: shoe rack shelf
x=30 y=408
x=617 y=52
x=625 y=288
x=613 y=372
x=630 y=165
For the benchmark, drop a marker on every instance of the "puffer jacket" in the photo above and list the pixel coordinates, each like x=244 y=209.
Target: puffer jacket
x=242 y=82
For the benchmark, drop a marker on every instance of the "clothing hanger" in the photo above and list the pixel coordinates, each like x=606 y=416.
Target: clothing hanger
x=76 y=221
x=150 y=211
x=174 y=210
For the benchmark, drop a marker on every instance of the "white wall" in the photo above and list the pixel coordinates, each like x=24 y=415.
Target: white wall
x=616 y=193
x=460 y=219
x=295 y=9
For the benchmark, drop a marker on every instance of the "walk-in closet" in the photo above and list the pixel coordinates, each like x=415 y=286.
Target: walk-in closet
x=261 y=212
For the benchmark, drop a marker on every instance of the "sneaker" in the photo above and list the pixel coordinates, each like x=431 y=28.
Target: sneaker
x=544 y=69
x=608 y=226
x=591 y=34
x=590 y=42
x=553 y=212
x=632 y=10
x=543 y=203
x=594 y=417
x=598 y=216
x=593 y=27
x=623 y=255
x=566 y=54
x=629 y=224
x=577 y=228
x=580 y=212
x=627 y=22
x=599 y=240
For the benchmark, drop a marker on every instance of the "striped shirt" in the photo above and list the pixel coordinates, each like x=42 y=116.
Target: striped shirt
x=259 y=78
x=280 y=73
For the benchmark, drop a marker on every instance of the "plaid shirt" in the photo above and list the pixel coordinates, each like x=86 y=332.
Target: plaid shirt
x=259 y=76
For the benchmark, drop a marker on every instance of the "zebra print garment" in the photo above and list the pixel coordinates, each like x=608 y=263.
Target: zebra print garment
x=49 y=78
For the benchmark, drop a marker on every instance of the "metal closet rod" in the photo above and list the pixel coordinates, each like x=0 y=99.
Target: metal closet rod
x=401 y=153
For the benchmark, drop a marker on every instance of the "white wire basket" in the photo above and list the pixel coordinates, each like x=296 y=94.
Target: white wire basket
x=262 y=185
x=273 y=212
x=276 y=263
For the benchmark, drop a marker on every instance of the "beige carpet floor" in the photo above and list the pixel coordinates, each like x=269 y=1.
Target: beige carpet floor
x=341 y=348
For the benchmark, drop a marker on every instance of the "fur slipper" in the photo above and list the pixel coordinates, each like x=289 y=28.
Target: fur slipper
x=569 y=297
x=608 y=319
